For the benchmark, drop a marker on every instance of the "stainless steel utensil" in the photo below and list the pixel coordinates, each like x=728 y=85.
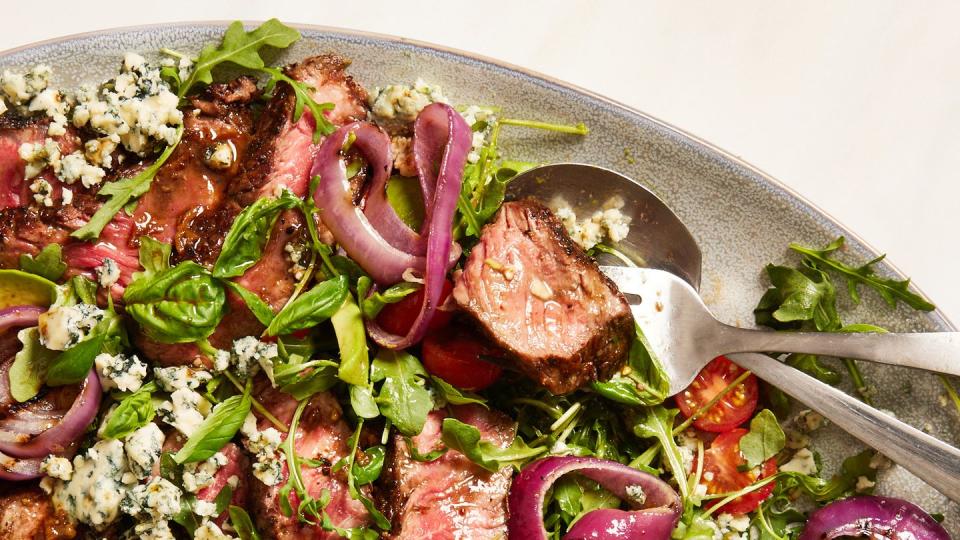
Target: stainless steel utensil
x=660 y=240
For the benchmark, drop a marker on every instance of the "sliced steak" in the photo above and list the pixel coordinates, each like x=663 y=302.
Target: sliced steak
x=450 y=497
x=321 y=435
x=14 y=132
x=539 y=297
x=27 y=513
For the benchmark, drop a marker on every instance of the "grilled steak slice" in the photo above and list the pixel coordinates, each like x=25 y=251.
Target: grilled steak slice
x=321 y=435
x=27 y=513
x=539 y=297
x=450 y=497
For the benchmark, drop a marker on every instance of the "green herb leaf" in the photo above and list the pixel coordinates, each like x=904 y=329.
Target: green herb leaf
x=73 y=364
x=154 y=257
x=796 y=296
x=29 y=369
x=217 y=429
x=311 y=308
x=352 y=340
x=842 y=484
x=243 y=524
x=177 y=305
x=646 y=382
x=465 y=439
x=811 y=365
x=170 y=469
x=186 y=517
x=122 y=192
x=453 y=395
x=403 y=397
x=891 y=290
x=765 y=439
x=657 y=423
x=406 y=199
x=47 y=264
x=304 y=97
x=304 y=379
x=368 y=473
x=241 y=48
x=260 y=309
x=133 y=412
x=372 y=304
x=363 y=403
x=243 y=245
x=432 y=455
x=223 y=498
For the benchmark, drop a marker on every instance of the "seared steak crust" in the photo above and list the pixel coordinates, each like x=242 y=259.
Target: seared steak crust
x=450 y=497
x=27 y=513
x=544 y=301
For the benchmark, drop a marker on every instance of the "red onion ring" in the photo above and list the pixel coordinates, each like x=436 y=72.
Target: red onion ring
x=58 y=438
x=655 y=517
x=873 y=517
x=19 y=316
x=18 y=470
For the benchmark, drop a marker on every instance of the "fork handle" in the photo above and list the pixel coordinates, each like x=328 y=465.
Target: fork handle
x=932 y=351
x=931 y=460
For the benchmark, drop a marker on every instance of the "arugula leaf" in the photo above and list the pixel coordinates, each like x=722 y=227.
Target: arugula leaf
x=243 y=524
x=217 y=429
x=453 y=395
x=302 y=92
x=177 y=305
x=304 y=379
x=29 y=368
x=765 y=439
x=796 y=296
x=122 y=192
x=403 y=397
x=657 y=423
x=372 y=304
x=465 y=439
x=432 y=455
x=368 y=473
x=891 y=290
x=239 y=47
x=243 y=245
x=47 y=264
x=260 y=309
x=363 y=403
x=811 y=365
x=352 y=341
x=841 y=484
x=133 y=412
x=73 y=364
x=320 y=303
x=645 y=382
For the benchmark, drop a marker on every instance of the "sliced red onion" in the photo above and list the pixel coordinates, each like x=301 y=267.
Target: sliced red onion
x=17 y=470
x=19 y=316
x=56 y=439
x=656 y=506
x=873 y=517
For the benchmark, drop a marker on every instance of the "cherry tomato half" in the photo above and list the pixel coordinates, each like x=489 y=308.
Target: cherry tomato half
x=722 y=464
x=733 y=409
x=456 y=357
x=397 y=318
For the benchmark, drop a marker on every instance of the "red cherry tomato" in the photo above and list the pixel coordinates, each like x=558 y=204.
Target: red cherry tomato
x=733 y=409
x=456 y=357
x=721 y=473
x=397 y=318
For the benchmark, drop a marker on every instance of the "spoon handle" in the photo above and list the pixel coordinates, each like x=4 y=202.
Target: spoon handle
x=932 y=351
x=933 y=461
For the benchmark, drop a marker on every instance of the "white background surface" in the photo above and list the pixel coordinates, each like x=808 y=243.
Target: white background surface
x=854 y=104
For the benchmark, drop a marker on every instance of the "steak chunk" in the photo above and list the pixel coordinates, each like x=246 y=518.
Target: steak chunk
x=321 y=435
x=26 y=513
x=450 y=497
x=539 y=297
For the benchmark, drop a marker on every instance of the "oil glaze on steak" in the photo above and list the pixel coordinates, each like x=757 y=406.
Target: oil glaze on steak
x=539 y=297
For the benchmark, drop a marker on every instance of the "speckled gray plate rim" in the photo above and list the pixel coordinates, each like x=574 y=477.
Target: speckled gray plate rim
x=742 y=217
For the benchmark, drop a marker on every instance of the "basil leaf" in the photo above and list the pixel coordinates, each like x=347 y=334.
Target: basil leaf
x=185 y=517
x=311 y=308
x=239 y=47
x=217 y=429
x=243 y=245
x=454 y=395
x=121 y=193
x=177 y=305
x=362 y=402
x=73 y=364
x=891 y=290
x=260 y=309
x=154 y=257
x=133 y=412
x=47 y=264
x=372 y=304
x=403 y=397
x=367 y=474
x=243 y=524
x=29 y=369
x=465 y=439
x=646 y=382
x=304 y=379
x=170 y=469
x=765 y=439
x=352 y=340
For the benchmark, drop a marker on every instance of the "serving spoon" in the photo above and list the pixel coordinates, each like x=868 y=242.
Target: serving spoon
x=685 y=336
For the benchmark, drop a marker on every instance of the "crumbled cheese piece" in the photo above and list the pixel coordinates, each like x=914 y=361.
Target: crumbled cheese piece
x=95 y=491
x=220 y=156
x=75 y=167
x=739 y=522
x=397 y=105
x=880 y=462
x=178 y=377
x=99 y=152
x=481 y=121
x=120 y=371
x=39 y=156
x=809 y=421
x=42 y=192
x=208 y=530
x=636 y=494
x=57 y=467
x=107 y=273
x=63 y=327
x=204 y=508
x=864 y=484
x=185 y=410
x=796 y=439
x=297 y=251
x=197 y=476
x=143 y=448
x=608 y=223
x=268 y=467
x=158 y=498
x=687 y=444
x=153 y=530
x=19 y=89
x=802 y=462
x=403 y=160
x=67 y=195
x=251 y=354
x=221 y=360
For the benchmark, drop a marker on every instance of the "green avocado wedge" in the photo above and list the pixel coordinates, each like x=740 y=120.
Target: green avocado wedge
x=20 y=288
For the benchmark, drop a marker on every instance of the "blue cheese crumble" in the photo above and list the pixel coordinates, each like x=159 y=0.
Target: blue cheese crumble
x=121 y=371
x=209 y=530
x=176 y=378
x=608 y=223
x=95 y=490
x=107 y=273
x=63 y=327
x=185 y=410
x=57 y=467
x=197 y=476
x=143 y=448
x=249 y=356
x=268 y=465
x=159 y=499
x=396 y=106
